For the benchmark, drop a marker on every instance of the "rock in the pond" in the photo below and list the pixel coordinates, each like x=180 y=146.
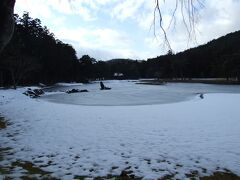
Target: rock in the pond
x=84 y=90
x=103 y=87
x=38 y=91
x=31 y=94
x=76 y=91
x=34 y=93
x=201 y=96
x=106 y=88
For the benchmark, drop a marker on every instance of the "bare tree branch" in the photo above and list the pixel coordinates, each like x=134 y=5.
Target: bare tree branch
x=188 y=10
x=158 y=10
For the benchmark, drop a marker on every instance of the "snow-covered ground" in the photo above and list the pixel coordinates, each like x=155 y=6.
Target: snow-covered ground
x=151 y=140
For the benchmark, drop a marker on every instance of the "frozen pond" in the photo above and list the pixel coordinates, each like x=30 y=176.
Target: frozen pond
x=127 y=93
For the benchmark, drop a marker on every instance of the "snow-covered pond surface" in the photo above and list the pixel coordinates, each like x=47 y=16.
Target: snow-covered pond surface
x=129 y=93
x=149 y=141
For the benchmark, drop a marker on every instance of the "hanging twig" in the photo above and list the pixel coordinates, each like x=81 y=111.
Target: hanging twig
x=157 y=9
x=188 y=12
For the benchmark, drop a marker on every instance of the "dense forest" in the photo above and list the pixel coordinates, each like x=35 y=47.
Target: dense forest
x=35 y=55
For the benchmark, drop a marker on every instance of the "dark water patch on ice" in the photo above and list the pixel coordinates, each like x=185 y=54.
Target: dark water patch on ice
x=3 y=123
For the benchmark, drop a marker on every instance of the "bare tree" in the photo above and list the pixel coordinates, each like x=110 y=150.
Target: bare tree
x=6 y=22
x=188 y=10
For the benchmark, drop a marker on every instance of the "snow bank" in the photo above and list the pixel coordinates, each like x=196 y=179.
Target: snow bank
x=150 y=140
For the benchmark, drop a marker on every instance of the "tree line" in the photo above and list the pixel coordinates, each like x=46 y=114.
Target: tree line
x=35 y=55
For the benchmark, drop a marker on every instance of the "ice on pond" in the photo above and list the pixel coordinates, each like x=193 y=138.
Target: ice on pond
x=125 y=93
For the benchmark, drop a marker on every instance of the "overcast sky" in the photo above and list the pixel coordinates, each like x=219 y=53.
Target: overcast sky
x=106 y=29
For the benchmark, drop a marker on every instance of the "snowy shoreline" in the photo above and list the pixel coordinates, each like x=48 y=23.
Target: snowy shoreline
x=153 y=140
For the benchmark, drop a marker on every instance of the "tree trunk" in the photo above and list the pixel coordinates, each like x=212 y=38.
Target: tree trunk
x=6 y=22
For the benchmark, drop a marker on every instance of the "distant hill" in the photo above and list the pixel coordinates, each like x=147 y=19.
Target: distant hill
x=127 y=67
x=114 y=61
x=217 y=58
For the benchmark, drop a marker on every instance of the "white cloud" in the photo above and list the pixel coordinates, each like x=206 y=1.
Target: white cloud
x=80 y=8
x=38 y=9
x=127 y=9
x=218 y=18
x=108 y=42
x=45 y=8
x=35 y=8
x=95 y=37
